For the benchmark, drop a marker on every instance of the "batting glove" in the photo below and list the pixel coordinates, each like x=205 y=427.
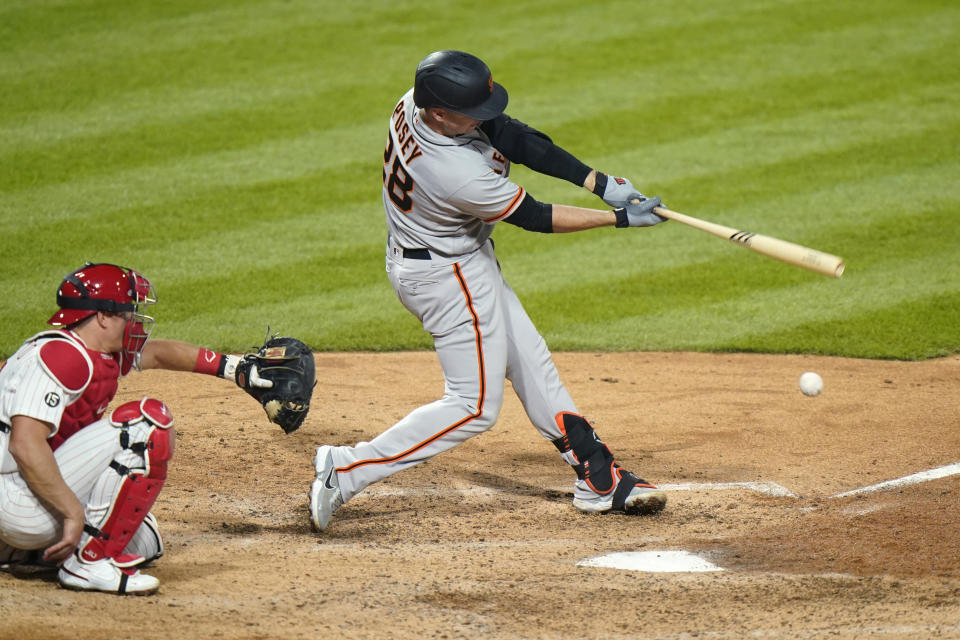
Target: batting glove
x=639 y=213
x=616 y=192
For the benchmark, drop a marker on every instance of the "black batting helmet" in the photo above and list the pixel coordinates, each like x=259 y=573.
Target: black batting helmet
x=459 y=82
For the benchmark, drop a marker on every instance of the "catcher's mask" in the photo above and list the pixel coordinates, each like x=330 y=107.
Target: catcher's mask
x=113 y=289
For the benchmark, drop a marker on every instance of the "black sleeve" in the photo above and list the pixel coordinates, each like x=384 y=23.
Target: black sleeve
x=525 y=145
x=532 y=215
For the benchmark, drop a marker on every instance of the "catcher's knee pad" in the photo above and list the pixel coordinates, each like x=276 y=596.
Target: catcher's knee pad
x=135 y=478
x=586 y=453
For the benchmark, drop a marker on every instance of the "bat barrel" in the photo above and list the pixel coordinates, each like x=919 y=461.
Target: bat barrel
x=804 y=257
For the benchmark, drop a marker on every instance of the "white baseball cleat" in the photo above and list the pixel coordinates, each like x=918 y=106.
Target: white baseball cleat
x=325 y=496
x=642 y=498
x=105 y=575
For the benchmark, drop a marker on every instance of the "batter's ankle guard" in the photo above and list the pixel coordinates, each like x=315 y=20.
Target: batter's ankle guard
x=586 y=453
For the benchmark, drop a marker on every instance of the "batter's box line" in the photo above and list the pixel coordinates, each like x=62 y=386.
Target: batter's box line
x=766 y=488
x=914 y=478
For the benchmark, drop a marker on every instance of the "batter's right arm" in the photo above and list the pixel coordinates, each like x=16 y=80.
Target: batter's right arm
x=559 y=218
x=567 y=219
x=38 y=467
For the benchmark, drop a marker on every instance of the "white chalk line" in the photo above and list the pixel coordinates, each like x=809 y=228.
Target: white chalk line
x=801 y=634
x=914 y=478
x=767 y=488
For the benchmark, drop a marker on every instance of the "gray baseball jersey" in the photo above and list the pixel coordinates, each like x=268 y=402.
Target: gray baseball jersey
x=441 y=193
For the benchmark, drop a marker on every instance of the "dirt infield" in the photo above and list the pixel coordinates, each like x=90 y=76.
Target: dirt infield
x=483 y=541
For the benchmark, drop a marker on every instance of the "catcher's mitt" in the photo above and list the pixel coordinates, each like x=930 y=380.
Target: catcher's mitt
x=281 y=376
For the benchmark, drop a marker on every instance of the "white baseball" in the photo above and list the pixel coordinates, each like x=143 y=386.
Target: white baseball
x=811 y=384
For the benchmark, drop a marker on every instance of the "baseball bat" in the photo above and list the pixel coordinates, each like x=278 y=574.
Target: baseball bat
x=795 y=254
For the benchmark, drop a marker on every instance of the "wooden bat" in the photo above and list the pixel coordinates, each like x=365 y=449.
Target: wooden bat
x=795 y=254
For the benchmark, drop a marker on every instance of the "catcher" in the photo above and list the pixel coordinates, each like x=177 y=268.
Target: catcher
x=77 y=482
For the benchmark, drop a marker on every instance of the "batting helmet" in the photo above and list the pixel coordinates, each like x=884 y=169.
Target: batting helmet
x=459 y=82
x=109 y=288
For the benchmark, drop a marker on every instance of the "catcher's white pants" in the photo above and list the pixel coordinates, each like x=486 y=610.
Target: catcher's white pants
x=83 y=459
x=482 y=335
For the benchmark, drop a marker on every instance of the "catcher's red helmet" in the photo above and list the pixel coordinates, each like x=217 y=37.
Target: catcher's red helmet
x=111 y=288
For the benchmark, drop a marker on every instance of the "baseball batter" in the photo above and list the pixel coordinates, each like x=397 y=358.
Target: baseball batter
x=446 y=183
x=76 y=481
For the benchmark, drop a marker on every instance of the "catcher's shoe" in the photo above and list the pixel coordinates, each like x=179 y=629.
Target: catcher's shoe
x=107 y=575
x=325 y=496
x=633 y=496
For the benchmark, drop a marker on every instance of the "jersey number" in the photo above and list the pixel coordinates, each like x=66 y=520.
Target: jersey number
x=399 y=184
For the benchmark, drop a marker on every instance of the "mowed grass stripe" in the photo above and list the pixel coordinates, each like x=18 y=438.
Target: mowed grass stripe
x=279 y=159
x=320 y=208
x=191 y=50
x=153 y=185
x=217 y=46
x=848 y=191
x=689 y=89
x=257 y=93
x=871 y=332
x=868 y=88
x=753 y=312
x=197 y=249
x=228 y=253
x=347 y=319
x=236 y=125
x=648 y=277
x=332 y=225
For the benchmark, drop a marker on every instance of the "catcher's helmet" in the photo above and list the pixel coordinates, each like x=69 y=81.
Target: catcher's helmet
x=459 y=82
x=110 y=288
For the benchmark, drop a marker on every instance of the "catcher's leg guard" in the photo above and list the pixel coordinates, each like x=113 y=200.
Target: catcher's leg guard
x=122 y=497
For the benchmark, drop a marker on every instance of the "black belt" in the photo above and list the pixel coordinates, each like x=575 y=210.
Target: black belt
x=4 y=427
x=416 y=254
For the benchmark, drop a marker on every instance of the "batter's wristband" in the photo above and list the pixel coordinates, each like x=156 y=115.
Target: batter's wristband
x=210 y=362
x=600 y=183
x=622 y=219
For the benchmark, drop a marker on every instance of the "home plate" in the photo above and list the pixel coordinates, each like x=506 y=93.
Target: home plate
x=651 y=561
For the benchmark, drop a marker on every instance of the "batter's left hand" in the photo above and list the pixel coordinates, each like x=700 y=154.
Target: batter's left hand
x=618 y=192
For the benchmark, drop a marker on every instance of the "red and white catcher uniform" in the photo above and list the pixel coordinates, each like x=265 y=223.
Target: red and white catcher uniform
x=115 y=463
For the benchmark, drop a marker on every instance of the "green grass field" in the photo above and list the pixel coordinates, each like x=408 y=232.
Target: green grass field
x=229 y=150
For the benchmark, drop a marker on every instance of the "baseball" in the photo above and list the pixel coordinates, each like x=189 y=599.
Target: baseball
x=811 y=384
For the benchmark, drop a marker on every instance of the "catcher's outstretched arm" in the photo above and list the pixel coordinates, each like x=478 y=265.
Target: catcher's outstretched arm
x=174 y=355
x=169 y=354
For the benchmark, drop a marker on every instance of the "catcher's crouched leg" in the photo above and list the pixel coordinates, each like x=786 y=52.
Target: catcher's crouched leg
x=602 y=485
x=120 y=502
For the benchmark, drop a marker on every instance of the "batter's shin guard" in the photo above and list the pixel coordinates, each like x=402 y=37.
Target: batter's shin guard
x=137 y=492
x=586 y=453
